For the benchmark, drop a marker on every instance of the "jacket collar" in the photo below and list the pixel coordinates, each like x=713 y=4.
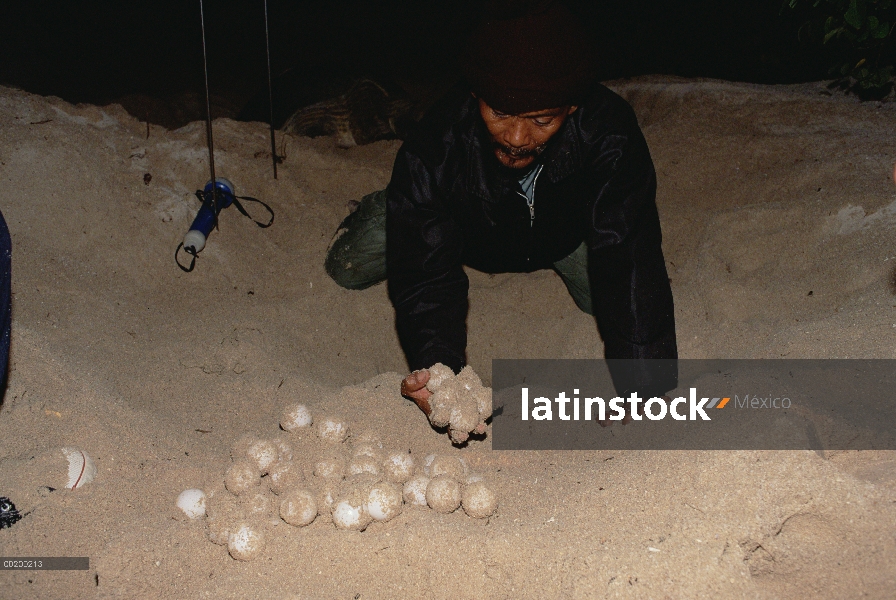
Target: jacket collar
x=564 y=155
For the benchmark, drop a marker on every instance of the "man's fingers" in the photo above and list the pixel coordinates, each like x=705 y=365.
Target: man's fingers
x=414 y=387
x=421 y=376
x=421 y=399
x=421 y=394
x=415 y=381
x=410 y=384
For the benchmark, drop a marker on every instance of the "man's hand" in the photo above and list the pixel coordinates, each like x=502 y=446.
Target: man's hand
x=414 y=387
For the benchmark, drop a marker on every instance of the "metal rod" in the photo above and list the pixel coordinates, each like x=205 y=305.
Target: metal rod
x=267 y=42
x=208 y=121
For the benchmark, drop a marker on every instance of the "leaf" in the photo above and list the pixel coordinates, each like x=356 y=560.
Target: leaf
x=853 y=16
x=872 y=22
x=881 y=31
x=832 y=34
x=877 y=79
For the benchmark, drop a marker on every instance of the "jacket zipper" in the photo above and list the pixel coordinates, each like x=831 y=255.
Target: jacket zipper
x=531 y=204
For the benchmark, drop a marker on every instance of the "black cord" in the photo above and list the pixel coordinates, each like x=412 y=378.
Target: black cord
x=191 y=251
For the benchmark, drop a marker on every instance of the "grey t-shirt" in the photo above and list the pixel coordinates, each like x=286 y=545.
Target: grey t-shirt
x=528 y=183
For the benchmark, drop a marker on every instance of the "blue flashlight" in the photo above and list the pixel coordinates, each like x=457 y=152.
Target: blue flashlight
x=205 y=219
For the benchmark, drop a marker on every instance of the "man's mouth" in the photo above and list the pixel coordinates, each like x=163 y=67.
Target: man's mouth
x=519 y=153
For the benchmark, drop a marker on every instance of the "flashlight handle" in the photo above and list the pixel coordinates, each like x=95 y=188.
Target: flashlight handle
x=208 y=212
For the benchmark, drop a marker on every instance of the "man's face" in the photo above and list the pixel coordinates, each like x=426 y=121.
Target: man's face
x=517 y=140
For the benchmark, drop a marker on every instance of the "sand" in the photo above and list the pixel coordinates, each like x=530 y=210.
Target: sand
x=778 y=211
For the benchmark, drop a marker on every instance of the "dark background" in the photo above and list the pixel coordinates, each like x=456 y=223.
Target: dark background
x=98 y=51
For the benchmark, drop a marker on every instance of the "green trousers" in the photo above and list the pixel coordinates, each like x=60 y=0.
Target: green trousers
x=356 y=258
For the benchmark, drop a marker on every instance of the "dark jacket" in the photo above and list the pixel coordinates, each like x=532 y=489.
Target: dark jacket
x=451 y=203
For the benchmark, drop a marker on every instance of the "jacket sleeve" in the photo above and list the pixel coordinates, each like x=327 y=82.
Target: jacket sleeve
x=630 y=290
x=427 y=283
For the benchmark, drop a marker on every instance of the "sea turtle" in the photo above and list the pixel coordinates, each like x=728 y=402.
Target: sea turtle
x=355 y=109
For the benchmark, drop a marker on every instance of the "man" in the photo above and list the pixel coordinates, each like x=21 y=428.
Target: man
x=531 y=166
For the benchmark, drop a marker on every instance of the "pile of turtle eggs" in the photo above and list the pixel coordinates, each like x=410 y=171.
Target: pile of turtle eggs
x=348 y=480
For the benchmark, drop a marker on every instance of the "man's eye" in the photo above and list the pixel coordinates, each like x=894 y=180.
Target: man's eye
x=544 y=121
x=499 y=115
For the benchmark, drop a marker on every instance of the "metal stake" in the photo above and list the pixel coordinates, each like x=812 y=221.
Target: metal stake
x=208 y=120
x=267 y=42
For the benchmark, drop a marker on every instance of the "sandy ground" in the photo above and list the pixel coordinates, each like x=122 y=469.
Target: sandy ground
x=778 y=212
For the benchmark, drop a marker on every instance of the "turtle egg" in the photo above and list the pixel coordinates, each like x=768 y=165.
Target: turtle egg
x=441 y=403
x=81 y=468
x=350 y=509
x=241 y=477
x=298 y=507
x=447 y=465
x=246 y=541
x=241 y=446
x=384 y=501
x=366 y=449
x=346 y=516
x=398 y=467
x=192 y=503
x=415 y=490
x=284 y=475
x=438 y=374
x=443 y=494
x=458 y=436
x=263 y=454
x=331 y=429
x=295 y=417
x=284 y=450
x=468 y=379
x=464 y=414
x=363 y=464
x=330 y=468
x=478 y=500
x=427 y=462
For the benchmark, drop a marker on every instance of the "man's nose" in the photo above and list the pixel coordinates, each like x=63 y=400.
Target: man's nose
x=516 y=135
